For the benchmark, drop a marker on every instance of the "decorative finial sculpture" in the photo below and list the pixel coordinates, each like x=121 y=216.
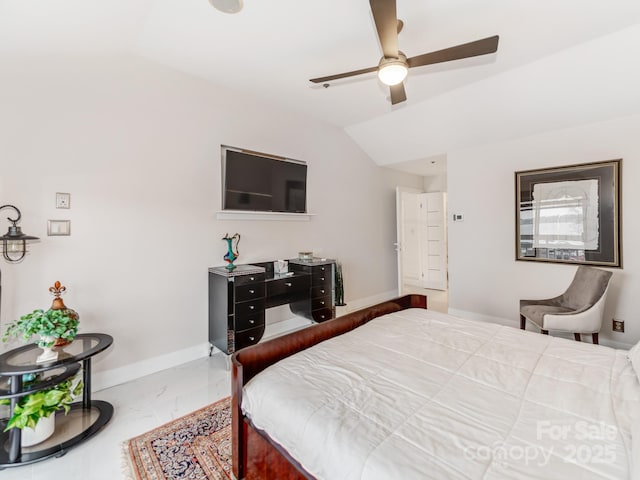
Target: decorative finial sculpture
x=231 y=255
x=57 y=290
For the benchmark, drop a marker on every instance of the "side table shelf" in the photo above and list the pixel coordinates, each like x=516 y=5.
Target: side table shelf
x=71 y=429
x=85 y=418
x=68 y=371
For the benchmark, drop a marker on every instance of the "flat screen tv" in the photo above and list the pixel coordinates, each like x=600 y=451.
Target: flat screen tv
x=260 y=182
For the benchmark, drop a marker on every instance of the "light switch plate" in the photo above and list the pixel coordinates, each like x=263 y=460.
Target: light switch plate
x=63 y=200
x=58 y=228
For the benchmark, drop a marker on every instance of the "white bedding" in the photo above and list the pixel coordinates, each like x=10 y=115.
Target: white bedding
x=419 y=394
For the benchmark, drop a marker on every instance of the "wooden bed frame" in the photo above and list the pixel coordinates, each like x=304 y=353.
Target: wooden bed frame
x=255 y=455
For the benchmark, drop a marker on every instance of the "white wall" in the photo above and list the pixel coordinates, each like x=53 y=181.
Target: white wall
x=138 y=147
x=484 y=277
x=435 y=183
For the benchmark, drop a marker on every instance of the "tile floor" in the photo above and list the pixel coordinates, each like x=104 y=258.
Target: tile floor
x=139 y=406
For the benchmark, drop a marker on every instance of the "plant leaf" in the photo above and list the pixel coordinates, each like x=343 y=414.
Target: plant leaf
x=53 y=397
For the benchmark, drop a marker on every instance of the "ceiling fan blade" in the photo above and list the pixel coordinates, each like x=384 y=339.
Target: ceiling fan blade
x=397 y=93
x=384 y=14
x=343 y=75
x=466 y=50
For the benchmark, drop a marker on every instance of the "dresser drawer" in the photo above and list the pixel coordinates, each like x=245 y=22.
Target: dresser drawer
x=247 y=321
x=321 y=302
x=320 y=291
x=250 y=291
x=248 y=308
x=321 y=279
x=249 y=337
x=322 y=314
x=286 y=285
x=246 y=279
x=320 y=269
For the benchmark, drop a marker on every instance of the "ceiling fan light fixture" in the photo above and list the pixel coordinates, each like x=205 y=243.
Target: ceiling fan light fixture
x=392 y=71
x=227 y=6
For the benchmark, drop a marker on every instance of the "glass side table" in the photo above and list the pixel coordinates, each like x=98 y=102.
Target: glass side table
x=84 y=419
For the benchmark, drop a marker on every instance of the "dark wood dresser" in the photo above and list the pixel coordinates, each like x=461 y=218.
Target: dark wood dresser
x=238 y=299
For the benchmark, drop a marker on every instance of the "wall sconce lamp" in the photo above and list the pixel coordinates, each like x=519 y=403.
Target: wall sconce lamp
x=14 y=242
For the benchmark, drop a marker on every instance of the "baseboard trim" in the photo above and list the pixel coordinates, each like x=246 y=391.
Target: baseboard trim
x=117 y=376
x=516 y=324
x=353 y=305
x=483 y=318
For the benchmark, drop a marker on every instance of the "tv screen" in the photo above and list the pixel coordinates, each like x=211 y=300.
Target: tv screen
x=263 y=183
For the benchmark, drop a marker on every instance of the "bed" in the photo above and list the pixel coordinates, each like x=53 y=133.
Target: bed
x=399 y=391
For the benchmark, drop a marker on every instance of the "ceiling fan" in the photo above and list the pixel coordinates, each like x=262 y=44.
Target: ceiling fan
x=393 y=66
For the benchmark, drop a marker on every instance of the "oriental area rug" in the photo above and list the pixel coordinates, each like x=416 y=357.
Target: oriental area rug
x=195 y=447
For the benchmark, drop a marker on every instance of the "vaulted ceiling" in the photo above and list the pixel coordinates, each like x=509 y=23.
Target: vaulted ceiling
x=272 y=48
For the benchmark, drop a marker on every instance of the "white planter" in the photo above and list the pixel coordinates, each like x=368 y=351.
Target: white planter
x=44 y=429
x=48 y=354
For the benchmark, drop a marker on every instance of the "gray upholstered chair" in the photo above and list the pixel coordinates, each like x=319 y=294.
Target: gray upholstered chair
x=578 y=310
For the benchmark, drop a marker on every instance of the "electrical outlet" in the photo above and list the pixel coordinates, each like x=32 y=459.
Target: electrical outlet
x=618 y=325
x=63 y=200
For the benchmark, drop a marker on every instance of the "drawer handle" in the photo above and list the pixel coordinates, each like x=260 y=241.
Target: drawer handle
x=322 y=317
x=252 y=321
x=252 y=278
x=252 y=291
x=322 y=292
x=252 y=338
x=288 y=284
x=322 y=279
x=251 y=307
x=322 y=302
x=322 y=269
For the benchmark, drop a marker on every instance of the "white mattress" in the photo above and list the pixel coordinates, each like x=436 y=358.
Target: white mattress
x=418 y=394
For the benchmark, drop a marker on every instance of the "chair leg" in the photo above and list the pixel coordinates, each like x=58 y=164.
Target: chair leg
x=522 y=322
x=577 y=337
x=595 y=338
x=544 y=332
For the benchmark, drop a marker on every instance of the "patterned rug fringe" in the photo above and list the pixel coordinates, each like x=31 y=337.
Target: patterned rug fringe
x=126 y=468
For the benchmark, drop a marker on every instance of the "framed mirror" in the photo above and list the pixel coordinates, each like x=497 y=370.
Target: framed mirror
x=569 y=214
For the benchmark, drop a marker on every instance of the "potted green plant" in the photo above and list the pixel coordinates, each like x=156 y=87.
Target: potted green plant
x=50 y=325
x=32 y=410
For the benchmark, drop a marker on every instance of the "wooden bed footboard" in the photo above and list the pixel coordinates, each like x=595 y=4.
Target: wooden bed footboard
x=255 y=456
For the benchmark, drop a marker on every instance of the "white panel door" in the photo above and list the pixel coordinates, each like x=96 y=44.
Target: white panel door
x=411 y=239
x=408 y=257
